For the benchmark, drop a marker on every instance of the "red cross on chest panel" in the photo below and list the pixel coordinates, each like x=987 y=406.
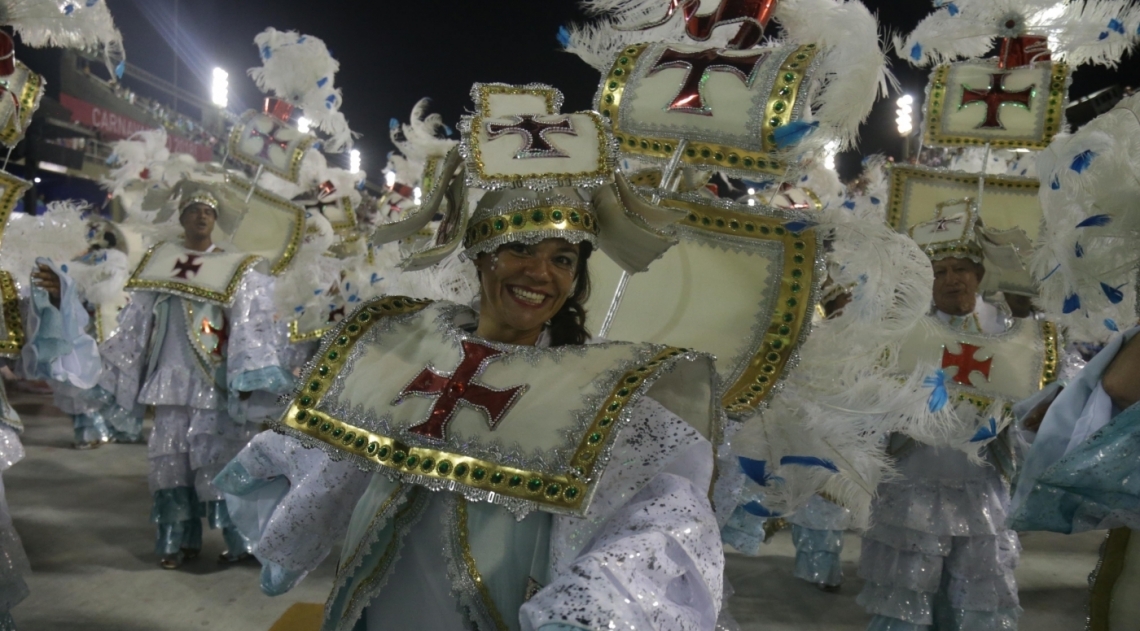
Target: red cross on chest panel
x=967 y=363
x=449 y=391
x=185 y=268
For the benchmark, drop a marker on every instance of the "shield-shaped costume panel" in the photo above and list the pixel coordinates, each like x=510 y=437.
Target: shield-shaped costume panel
x=19 y=100
x=11 y=326
x=262 y=141
x=271 y=226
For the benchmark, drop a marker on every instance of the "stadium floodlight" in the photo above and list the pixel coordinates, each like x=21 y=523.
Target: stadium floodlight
x=905 y=114
x=220 y=88
x=304 y=124
x=354 y=161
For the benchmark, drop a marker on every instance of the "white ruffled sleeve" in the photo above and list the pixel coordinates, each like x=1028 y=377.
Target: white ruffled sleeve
x=648 y=554
x=257 y=341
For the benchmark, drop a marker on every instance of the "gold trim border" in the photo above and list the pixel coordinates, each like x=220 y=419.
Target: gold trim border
x=294 y=161
x=11 y=305
x=29 y=102
x=565 y=492
x=1054 y=115
x=603 y=167
x=350 y=211
x=139 y=284
x=525 y=221
x=900 y=175
x=486 y=90
x=294 y=244
x=14 y=189
x=472 y=568
x=296 y=336
x=793 y=303
x=785 y=92
x=1109 y=568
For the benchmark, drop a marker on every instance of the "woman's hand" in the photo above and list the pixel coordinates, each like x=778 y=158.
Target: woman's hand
x=1032 y=421
x=45 y=278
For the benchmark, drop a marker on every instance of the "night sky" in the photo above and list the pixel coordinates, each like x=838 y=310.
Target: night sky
x=393 y=53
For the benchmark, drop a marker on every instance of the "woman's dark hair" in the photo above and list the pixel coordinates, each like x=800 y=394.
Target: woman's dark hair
x=568 y=326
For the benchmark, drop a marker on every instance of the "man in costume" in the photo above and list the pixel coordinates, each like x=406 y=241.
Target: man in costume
x=508 y=452
x=939 y=554
x=197 y=336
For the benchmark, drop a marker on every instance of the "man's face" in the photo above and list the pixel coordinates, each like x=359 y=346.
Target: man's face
x=956 y=285
x=198 y=221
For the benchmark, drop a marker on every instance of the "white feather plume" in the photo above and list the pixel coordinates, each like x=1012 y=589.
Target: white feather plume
x=102 y=282
x=1078 y=31
x=1093 y=173
x=422 y=137
x=60 y=234
x=299 y=69
x=68 y=24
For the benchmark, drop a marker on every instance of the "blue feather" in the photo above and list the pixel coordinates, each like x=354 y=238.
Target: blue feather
x=790 y=134
x=938 y=397
x=393 y=124
x=1095 y=220
x=985 y=432
x=121 y=68
x=1082 y=160
x=916 y=52
x=1071 y=304
x=1079 y=251
x=759 y=510
x=1116 y=25
x=1055 y=183
x=1114 y=295
x=1051 y=272
x=266 y=52
x=875 y=200
x=952 y=9
x=809 y=461
x=799 y=225
x=1110 y=324
x=322 y=81
x=563 y=36
x=849 y=204
x=757 y=470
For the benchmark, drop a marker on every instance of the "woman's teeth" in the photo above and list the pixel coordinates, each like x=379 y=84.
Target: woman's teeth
x=529 y=297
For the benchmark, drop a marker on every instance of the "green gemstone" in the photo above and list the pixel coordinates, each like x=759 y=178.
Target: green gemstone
x=553 y=490
x=624 y=392
x=372 y=447
x=718 y=156
x=706 y=221
x=349 y=437
x=614 y=407
x=775 y=121
x=705 y=153
x=478 y=474
x=323 y=370
x=733 y=158
x=484 y=230
x=632 y=379
x=556 y=215
x=427 y=465
x=353 y=328
x=609 y=98
x=773 y=357
x=792 y=302
x=796 y=287
x=734 y=224
x=644 y=144
x=785 y=329
x=461 y=470
x=515 y=480
x=595 y=438
x=333 y=355
x=788 y=317
x=399 y=457
x=748 y=162
x=623 y=61
x=412 y=460
x=777 y=344
x=397 y=303
x=571 y=492
x=799 y=258
x=364 y=317
x=692 y=153
x=314 y=386
x=301 y=415
x=613 y=85
x=575 y=217
x=796 y=273
x=517 y=219
x=306 y=400
x=383 y=453
x=325 y=427
x=780 y=230
x=618 y=72
x=313 y=421
x=765 y=230
x=500 y=225
x=779 y=106
x=360 y=442
x=342 y=340
x=538 y=216
x=337 y=432
x=799 y=245
x=720 y=223
x=749 y=226
x=534 y=485
x=444 y=467
x=789 y=77
x=497 y=477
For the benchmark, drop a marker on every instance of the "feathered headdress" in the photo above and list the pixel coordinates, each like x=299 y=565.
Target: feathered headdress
x=85 y=24
x=299 y=70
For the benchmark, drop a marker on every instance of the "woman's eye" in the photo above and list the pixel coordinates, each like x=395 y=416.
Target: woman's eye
x=564 y=261
x=517 y=248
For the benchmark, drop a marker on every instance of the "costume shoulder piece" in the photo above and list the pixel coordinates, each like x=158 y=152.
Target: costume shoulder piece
x=399 y=388
x=211 y=277
x=11 y=327
x=984 y=369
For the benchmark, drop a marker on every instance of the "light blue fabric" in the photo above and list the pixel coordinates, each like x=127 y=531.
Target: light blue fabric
x=249 y=501
x=125 y=425
x=883 y=623
x=1048 y=474
x=178 y=515
x=58 y=346
x=817 y=555
x=90 y=428
x=276 y=580
x=270 y=379
x=744 y=531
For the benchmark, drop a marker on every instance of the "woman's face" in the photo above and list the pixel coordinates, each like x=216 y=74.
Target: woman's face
x=524 y=286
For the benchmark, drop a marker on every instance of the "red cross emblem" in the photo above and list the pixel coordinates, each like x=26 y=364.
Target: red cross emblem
x=268 y=139
x=697 y=66
x=751 y=15
x=184 y=268
x=457 y=388
x=941 y=223
x=994 y=98
x=222 y=333
x=535 y=142
x=966 y=362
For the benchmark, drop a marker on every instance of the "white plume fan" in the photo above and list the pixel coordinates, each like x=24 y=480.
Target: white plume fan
x=299 y=69
x=60 y=234
x=1077 y=31
x=422 y=137
x=1088 y=253
x=84 y=24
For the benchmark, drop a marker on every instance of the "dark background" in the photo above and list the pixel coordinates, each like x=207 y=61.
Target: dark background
x=393 y=53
